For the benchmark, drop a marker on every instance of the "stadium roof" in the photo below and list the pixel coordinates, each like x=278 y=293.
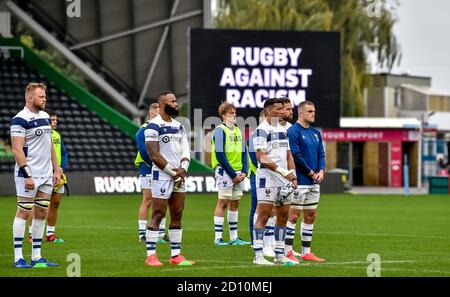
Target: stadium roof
x=379 y=122
x=425 y=90
x=401 y=75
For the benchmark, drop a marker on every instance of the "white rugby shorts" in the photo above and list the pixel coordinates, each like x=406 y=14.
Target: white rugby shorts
x=226 y=188
x=163 y=189
x=41 y=184
x=306 y=197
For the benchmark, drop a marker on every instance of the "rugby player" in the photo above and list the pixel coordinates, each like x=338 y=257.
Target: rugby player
x=144 y=163
x=230 y=164
x=309 y=156
x=36 y=172
x=275 y=181
x=168 y=147
x=63 y=161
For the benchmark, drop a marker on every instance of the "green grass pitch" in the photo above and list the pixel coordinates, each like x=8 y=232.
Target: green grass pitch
x=410 y=234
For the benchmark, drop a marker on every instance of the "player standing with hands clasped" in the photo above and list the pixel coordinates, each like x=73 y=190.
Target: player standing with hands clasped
x=230 y=163
x=168 y=147
x=275 y=181
x=144 y=163
x=309 y=156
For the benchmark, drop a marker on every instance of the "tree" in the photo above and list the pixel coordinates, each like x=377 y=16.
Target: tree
x=366 y=26
x=50 y=55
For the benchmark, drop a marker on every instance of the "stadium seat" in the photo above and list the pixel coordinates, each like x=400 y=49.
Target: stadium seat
x=102 y=167
x=74 y=166
x=88 y=138
x=90 y=132
x=5 y=167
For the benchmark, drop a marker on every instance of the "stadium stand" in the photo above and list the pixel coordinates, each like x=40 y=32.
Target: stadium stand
x=92 y=143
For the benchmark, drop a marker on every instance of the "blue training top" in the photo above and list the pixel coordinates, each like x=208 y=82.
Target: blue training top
x=252 y=152
x=144 y=168
x=308 y=152
x=64 y=156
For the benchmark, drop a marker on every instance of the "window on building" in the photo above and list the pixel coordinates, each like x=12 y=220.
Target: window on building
x=398 y=97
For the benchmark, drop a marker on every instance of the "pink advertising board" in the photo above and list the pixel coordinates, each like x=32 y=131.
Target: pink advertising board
x=395 y=137
x=369 y=135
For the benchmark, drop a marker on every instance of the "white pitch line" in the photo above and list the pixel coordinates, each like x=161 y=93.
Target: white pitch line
x=403 y=269
x=127 y=228
x=307 y=262
x=365 y=262
x=302 y=264
x=319 y=232
x=385 y=235
x=415 y=270
x=96 y=227
x=221 y=261
x=215 y=267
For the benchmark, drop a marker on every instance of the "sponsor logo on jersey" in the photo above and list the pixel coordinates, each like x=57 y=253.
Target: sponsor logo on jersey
x=276 y=145
x=175 y=137
x=38 y=132
x=234 y=138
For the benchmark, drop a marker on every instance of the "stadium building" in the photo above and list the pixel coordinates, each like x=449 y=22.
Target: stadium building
x=406 y=96
x=98 y=129
x=375 y=150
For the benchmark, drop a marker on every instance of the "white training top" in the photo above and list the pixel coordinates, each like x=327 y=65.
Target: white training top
x=273 y=140
x=286 y=126
x=173 y=143
x=36 y=129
